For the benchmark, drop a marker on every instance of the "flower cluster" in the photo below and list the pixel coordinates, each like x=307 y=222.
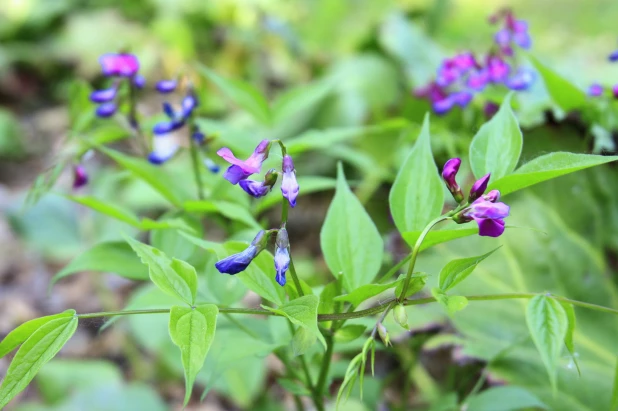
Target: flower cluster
x=122 y=67
x=596 y=89
x=462 y=76
x=483 y=208
x=240 y=170
x=239 y=262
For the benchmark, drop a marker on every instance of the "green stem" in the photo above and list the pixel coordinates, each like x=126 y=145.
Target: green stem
x=317 y=401
x=369 y=311
x=394 y=270
x=195 y=162
x=414 y=254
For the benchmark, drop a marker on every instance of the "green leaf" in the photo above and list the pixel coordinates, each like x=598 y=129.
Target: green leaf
x=37 y=350
x=614 y=402
x=302 y=312
x=366 y=291
x=456 y=271
x=496 y=147
x=193 y=330
x=568 y=339
x=548 y=323
x=452 y=303
x=161 y=182
x=564 y=93
x=110 y=209
x=547 y=167
x=293 y=387
x=25 y=330
x=173 y=277
x=417 y=282
x=227 y=209
x=243 y=94
x=504 y=399
x=349 y=332
x=112 y=256
x=310 y=184
x=438 y=237
x=349 y=239
x=417 y=195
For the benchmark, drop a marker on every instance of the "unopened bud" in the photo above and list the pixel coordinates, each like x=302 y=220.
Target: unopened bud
x=384 y=334
x=401 y=316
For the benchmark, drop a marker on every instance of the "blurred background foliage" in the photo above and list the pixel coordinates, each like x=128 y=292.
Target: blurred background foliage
x=339 y=76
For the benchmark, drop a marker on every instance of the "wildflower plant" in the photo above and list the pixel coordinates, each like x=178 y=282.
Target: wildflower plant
x=200 y=293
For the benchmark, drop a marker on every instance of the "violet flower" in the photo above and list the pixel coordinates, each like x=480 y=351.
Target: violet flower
x=103 y=96
x=282 y=255
x=613 y=57
x=595 y=90
x=478 y=188
x=164 y=146
x=615 y=91
x=488 y=214
x=449 y=174
x=260 y=188
x=80 y=177
x=240 y=261
x=289 y=185
x=513 y=32
x=497 y=68
x=106 y=110
x=521 y=80
x=166 y=86
x=241 y=169
x=120 y=64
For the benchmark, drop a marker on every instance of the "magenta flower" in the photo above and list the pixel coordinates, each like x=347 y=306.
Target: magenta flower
x=478 y=188
x=121 y=64
x=289 y=185
x=595 y=90
x=498 y=69
x=282 y=256
x=80 y=177
x=240 y=170
x=449 y=174
x=615 y=91
x=513 y=32
x=489 y=215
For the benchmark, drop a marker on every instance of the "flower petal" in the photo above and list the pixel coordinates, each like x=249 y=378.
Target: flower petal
x=489 y=227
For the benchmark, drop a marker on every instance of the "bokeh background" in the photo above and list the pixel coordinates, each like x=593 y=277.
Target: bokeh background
x=378 y=51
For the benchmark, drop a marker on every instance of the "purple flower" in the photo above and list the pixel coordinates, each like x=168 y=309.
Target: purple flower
x=240 y=261
x=462 y=98
x=103 y=96
x=477 y=80
x=464 y=61
x=478 y=188
x=106 y=110
x=240 y=170
x=443 y=106
x=432 y=91
x=615 y=91
x=166 y=127
x=139 y=81
x=449 y=174
x=514 y=31
x=613 y=56
x=121 y=64
x=198 y=137
x=211 y=165
x=289 y=185
x=488 y=215
x=260 y=188
x=497 y=68
x=166 y=86
x=595 y=90
x=164 y=147
x=520 y=80
x=282 y=255
x=490 y=109
x=80 y=177
x=188 y=104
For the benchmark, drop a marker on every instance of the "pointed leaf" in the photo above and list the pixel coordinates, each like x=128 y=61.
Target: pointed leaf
x=496 y=147
x=25 y=330
x=193 y=330
x=548 y=324
x=173 y=277
x=417 y=195
x=349 y=239
x=109 y=209
x=367 y=291
x=35 y=352
x=547 y=167
x=504 y=399
x=568 y=340
x=452 y=303
x=457 y=270
x=564 y=93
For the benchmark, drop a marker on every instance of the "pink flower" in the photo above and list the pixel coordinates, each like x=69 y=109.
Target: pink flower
x=121 y=64
x=240 y=170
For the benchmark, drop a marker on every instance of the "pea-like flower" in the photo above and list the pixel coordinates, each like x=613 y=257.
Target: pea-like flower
x=521 y=80
x=103 y=96
x=240 y=261
x=260 y=188
x=119 y=64
x=282 y=255
x=106 y=110
x=513 y=32
x=164 y=146
x=595 y=90
x=449 y=174
x=166 y=86
x=289 y=185
x=241 y=169
x=80 y=177
x=498 y=69
x=488 y=214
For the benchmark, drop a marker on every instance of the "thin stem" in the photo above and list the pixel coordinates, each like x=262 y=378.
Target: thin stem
x=395 y=268
x=328 y=355
x=415 y=251
x=195 y=162
x=317 y=401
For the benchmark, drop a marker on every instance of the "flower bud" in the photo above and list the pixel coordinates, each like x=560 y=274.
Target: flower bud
x=449 y=174
x=166 y=86
x=282 y=255
x=139 y=81
x=400 y=316
x=289 y=185
x=383 y=334
x=80 y=177
x=478 y=188
x=103 y=96
x=106 y=110
x=240 y=261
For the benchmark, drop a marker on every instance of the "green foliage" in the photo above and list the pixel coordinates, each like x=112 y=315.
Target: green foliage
x=504 y=399
x=452 y=303
x=364 y=292
x=548 y=325
x=564 y=93
x=457 y=270
x=40 y=347
x=415 y=203
x=496 y=147
x=349 y=239
x=192 y=329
